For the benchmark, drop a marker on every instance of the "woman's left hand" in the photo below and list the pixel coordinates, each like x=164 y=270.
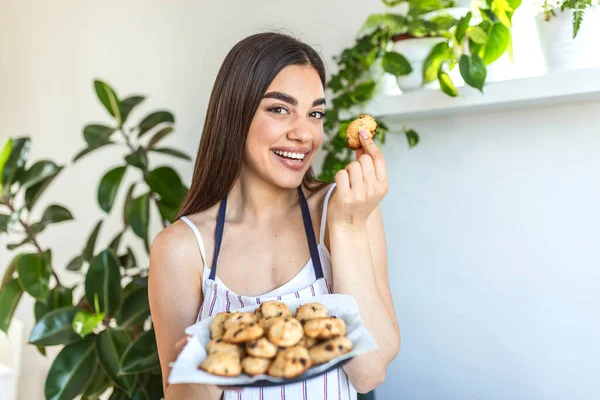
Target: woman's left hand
x=360 y=187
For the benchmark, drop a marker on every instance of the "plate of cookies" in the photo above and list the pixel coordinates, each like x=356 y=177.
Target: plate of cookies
x=273 y=343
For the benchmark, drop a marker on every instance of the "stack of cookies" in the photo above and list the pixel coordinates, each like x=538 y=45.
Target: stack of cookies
x=271 y=340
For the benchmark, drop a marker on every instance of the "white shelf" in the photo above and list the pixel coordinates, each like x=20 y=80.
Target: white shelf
x=555 y=88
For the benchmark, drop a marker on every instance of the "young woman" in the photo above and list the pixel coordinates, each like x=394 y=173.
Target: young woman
x=255 y=213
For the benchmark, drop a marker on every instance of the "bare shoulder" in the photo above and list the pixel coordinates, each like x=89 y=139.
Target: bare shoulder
x=173 y=248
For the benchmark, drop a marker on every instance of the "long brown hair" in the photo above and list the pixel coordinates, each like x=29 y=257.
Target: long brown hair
x=246 y=73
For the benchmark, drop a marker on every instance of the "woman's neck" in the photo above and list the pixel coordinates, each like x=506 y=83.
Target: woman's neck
x=254 y=200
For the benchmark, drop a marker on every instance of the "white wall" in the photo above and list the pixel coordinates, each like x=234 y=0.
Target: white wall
x=492 y=221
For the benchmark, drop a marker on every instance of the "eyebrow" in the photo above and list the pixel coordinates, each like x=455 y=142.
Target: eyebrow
x=290 y=99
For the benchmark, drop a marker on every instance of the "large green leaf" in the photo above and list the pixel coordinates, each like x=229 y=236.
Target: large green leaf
x=10 y=295
x=15 y=165
x=89 y=149
x=4 y=154
x=110 y=346
x=114 y=244
x=127 y=205
x=109 y=99
x=96 y=135
x=153 y=119
x=88 y=252
x=167 y=211
x=97 y=385
x=4 y=219
x=85 y=322
x=473 y=70
x=136 y=308
x=141 y=355
x=497 y=44
x=477 y=34
x=172 y=152
x=76 y=263
x=38 y=172
x=109 y=187
x=139 y=215
x=461 y=27
x=71 y=371
x=53 y=214
x=167 y=184
x=55 y=328
x=158 y=136
x=412 y=137
x=34 y=272
x=440 y=53
x=447 y=85
x=58 y=297
x=33 y=193
x=395 y=64
x=104 y=280
x=127 y=260
x=128 y=104
x=10 y=271
x=138 y=159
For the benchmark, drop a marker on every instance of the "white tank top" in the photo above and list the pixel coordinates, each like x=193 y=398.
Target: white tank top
x=313 y=280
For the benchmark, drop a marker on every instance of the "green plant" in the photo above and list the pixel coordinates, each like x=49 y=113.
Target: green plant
x=361 y=67
x=107 y=332
x=578 y=6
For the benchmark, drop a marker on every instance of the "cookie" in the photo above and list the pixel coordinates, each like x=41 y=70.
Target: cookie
x=325 y=328
x=245 y=317
x=290 y=362
x=255 y=365
x=261 y=348
x=330 y=349
x=216 y=326
x=308 y=342
x=240 y=332
x=364 y=122
x=222 y=364
x=220 y=346
x=285 y=332
x=311 y=310
x=272 y=308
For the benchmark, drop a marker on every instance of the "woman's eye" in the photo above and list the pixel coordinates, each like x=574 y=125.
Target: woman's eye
x=278 y=110
x=318 y=114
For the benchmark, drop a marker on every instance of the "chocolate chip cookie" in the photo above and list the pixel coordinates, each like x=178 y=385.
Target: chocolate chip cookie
x=240 y=332
x=325 y=328
x=330 y=349
x=261 y=348
x=364 y=122
x=222 y=364
x=255 y=365
x=311 y=310
x=216 y=326
x=285 y=332
x=290 y=362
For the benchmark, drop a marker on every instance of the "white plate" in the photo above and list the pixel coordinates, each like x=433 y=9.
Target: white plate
x=185 y=368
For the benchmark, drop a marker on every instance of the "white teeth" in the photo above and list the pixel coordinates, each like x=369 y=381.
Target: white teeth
x=297 y=156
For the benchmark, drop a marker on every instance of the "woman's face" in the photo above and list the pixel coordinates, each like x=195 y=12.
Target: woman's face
x=287 y=128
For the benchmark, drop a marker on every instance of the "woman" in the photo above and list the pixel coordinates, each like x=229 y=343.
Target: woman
x=255 y=206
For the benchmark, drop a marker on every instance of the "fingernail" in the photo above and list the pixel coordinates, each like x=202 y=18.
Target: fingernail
x=364 y=134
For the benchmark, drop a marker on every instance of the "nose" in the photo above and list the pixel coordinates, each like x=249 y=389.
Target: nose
x=301 y=130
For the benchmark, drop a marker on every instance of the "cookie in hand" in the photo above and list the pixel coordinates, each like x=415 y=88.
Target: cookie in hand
x=364 y=122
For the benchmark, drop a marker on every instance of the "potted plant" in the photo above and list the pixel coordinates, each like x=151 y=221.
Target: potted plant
x=566 y=40
x=413 y=29
x=102 y=319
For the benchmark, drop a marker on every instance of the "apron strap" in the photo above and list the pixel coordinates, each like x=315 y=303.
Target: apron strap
x=310 y=235
x=308 y=228
x=218 y=237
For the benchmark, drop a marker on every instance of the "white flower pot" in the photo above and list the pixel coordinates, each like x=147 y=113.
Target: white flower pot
x=416 y=51
x=560 y=50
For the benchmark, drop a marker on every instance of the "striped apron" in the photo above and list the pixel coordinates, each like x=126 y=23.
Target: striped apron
x=310 y=282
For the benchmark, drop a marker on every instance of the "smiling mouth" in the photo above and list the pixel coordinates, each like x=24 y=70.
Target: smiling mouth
x=290 y=156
